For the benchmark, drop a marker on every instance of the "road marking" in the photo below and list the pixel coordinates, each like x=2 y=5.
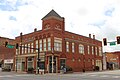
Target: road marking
x=115 y=76
x=92 y=75
x=7 y=76
x=104 y=76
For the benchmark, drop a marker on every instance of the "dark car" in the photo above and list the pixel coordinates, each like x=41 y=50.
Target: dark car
x=6 y=69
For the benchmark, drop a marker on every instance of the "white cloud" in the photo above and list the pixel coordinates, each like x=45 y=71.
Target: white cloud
x=79 y=14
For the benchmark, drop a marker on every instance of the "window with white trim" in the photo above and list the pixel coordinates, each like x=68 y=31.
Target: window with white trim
x=22 y=49
x=25 y=48
x=67 y=46
x=49 y=44
x=92 y=50
x=73 y=47
x=31 y=47
x=81 y=48
x=96 y=50
x=19 y=50
x=40 y=42
x=58 y=44
x=44 y=44
x=100 y=51
x=88 y=49
x=36 y=42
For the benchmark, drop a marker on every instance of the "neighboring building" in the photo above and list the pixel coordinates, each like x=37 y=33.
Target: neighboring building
x=6 y=54
x=118 y=53
x=58 y=48
x=112 y=60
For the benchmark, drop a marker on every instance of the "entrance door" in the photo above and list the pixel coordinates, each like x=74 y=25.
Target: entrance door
x=52 y=63
x=23 y=66
x=62 y=63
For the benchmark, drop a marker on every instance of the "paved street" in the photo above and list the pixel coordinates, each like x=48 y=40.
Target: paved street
x=106 y=75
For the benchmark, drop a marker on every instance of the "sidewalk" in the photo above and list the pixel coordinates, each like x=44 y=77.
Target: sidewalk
x=63 y=73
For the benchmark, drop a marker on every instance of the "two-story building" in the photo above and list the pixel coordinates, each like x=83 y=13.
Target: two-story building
x=58 y=48
x=7 y=54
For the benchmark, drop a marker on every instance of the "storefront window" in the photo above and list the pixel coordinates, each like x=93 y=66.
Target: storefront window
x=58 y=44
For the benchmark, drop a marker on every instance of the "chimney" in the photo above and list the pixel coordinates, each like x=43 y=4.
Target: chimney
x=35 y=29
x=21 y=36
x=89 y=35
x=93 y=36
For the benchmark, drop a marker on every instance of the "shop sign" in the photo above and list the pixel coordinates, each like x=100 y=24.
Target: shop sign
x=8 y=61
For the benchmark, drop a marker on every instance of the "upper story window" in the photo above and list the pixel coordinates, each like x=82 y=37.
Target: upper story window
x=40 y=42
x=100 y=51
x=36 y=42
x=25 y=48
x=31 y=47
x=88 y=49
x=96 y=50
x=57 y=44
x=19 y=50
x=49 y=44
x=81 y=48
x=44 y=44
x=73 y=47
x=67 y=46
x=92 y=50
x=22 y=49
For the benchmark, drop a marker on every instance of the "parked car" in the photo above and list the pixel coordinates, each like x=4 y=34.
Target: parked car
x=6 y=69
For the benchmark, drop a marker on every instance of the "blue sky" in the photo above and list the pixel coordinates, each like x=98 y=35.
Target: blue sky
x=99 y=17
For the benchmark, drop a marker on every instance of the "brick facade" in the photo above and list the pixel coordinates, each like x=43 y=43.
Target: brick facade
x=51 y=41
x=6 y=54
x=113 y=58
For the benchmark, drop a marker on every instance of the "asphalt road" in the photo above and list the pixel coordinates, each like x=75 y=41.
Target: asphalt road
x=104 y=75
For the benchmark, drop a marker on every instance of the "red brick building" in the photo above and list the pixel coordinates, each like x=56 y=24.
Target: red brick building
x=118 y=53
x=58 y=48
x=113 y=60
x=6 y=54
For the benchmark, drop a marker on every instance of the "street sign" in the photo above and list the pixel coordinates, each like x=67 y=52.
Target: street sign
x=112 y=43
x=10 y=46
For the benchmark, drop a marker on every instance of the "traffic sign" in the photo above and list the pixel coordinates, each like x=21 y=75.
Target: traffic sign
x=112 y=43
x=10 y=46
